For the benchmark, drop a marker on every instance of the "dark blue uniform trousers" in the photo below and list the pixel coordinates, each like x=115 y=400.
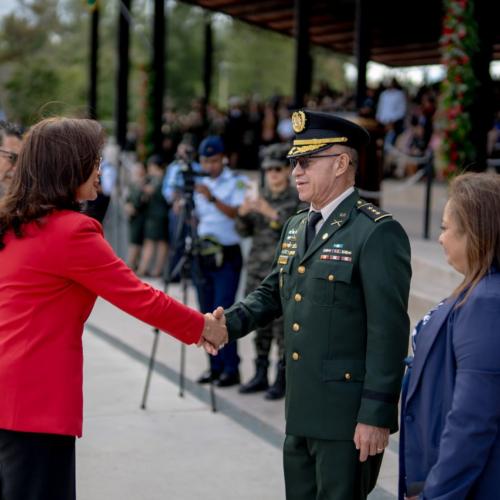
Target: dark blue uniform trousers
x=218 y=287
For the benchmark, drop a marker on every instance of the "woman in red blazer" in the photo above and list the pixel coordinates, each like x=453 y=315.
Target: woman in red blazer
x=54 y=262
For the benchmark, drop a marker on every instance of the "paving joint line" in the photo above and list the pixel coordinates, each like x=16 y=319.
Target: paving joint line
x=250 y=422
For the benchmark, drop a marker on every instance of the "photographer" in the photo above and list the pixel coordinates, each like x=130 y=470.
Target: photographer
x=217 y=198
x=178 y=183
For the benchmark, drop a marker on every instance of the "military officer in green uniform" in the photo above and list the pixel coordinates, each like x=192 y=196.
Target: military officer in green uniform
x=341 y=280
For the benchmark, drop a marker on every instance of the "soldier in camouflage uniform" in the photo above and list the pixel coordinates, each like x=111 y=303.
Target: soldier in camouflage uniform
x=263 y=219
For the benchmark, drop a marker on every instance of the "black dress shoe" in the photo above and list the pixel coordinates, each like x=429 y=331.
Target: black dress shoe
x=228 y=379
x=208 y=376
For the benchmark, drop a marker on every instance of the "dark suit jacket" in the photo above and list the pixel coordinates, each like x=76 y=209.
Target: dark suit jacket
x=344 y=303
x=451 y=413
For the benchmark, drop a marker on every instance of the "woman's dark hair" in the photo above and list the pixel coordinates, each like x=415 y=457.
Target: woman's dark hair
x=475 y=205
x=57 y=156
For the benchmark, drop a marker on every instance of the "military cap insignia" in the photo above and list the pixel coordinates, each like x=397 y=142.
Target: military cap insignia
x=298 y=121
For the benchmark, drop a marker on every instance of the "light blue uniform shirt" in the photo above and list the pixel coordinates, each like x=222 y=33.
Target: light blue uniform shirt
x=230 y=189
x=174 y=180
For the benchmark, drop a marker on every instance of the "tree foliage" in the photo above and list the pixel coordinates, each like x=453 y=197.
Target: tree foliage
x=44 y=51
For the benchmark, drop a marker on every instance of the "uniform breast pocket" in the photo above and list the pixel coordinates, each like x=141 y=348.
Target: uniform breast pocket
x=330 y=280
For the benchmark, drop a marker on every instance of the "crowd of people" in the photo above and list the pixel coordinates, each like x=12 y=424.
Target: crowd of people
x=328 y=281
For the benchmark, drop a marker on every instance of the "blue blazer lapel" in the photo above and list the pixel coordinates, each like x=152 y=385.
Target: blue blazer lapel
x=426 y=340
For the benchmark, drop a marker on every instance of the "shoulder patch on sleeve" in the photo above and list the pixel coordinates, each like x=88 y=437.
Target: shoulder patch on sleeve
x=372 y=211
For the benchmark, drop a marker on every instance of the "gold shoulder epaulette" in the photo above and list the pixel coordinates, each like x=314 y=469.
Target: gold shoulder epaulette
x=372 y=211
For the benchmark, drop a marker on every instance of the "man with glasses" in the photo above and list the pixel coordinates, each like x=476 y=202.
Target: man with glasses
x=263 y=217
x=10 y=145
x=341 y=281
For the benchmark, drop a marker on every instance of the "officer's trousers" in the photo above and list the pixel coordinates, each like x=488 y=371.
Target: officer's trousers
x=317 y=469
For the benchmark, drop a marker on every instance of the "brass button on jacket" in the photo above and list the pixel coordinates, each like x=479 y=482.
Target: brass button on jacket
x=301 y=269
x=331 y=277
x=347 y=376
x=295 y=356
x=295 y=327
x=298 y=297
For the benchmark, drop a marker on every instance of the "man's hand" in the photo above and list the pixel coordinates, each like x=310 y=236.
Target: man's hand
x=214 y=334
x=370 y=440
x=203 y=190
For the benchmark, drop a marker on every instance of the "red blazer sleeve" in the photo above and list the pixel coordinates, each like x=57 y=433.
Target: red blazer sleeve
x=89 y=260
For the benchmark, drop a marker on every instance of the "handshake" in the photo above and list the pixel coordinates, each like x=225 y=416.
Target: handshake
x=214 y=335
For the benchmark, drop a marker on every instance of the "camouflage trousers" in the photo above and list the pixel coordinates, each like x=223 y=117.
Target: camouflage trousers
x=264 y=337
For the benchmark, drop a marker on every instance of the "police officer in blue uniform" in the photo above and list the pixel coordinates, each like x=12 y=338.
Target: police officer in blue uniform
x=217 y=199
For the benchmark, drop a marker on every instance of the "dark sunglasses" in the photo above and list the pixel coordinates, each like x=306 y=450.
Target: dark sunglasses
x=305 y=161
x=10 y=155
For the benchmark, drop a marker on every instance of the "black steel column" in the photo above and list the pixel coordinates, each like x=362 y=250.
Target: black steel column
x=481 y=111
x=158 y=73
x=208 y=59
x=121 y=112
x=361 y=49
x=94 y=48
x=303 y=65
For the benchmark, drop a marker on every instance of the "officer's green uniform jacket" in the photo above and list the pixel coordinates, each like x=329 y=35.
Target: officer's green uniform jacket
x=344 y=302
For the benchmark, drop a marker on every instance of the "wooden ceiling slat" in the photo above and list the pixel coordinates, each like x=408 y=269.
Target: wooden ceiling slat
x=409 y=48
x=256 y=6
x=271 y=17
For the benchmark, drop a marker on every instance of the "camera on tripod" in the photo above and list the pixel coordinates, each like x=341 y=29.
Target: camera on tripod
x=185 y=160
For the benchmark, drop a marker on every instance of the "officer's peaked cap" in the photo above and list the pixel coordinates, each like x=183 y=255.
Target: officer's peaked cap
x=315 y=131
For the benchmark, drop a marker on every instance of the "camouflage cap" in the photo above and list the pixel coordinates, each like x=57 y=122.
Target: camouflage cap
x=275 y=155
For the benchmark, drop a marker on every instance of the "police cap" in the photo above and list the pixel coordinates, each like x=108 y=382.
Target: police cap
x=211 y=146
x=315 y=131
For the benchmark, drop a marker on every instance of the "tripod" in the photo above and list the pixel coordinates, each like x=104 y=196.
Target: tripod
x=186 y=238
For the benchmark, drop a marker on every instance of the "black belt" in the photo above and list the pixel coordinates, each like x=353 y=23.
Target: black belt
x=231 y=251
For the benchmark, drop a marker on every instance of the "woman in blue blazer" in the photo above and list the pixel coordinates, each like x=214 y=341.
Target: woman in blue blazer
x=450 y=433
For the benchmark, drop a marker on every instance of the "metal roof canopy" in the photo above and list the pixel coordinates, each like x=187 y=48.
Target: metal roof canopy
x=399 y=33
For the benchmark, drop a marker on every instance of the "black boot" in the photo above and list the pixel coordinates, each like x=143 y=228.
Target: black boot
x=259 y=381
x=277 y=390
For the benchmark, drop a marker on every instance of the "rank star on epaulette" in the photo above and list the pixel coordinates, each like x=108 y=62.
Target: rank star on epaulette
x=372 y=211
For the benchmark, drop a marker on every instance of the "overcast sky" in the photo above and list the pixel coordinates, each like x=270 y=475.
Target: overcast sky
x=6 y=6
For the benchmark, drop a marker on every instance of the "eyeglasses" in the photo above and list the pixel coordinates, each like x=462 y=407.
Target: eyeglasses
x=305 y=161
x=98 y=165
x=10 y=155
